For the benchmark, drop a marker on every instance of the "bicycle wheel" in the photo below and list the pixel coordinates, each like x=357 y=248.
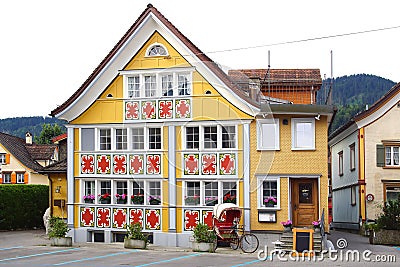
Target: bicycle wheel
x=249 y=243
x=234 y=242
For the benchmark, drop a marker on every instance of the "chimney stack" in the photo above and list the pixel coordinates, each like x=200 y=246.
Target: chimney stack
x=254 y=88
x=28 y=138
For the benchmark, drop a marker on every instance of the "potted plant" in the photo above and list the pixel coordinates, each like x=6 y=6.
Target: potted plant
x=105 y=198
x=137 y=199
x=317 y=225
x=205 y=239
x=58 y=232
x=88 y=198
x=270 y=202
x=211 y=201
x=134 y=237
x=287 y=226
x=192 y=200
x=228 y=198
x=154 y=200
x=121 y=198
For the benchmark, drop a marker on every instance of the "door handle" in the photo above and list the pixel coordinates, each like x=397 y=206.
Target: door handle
x=295 y=207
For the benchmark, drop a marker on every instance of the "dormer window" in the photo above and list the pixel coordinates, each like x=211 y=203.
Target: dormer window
x=156 y=50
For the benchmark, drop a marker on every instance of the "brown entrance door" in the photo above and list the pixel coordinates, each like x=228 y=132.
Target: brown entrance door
x=304 y=201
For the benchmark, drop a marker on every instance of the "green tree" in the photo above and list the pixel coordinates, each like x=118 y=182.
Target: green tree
x=48 y=132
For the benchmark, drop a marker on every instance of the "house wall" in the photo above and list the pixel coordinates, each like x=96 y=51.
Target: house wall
x=385 y=128
x=286 y=163
x=347 y=217
x=58 y=179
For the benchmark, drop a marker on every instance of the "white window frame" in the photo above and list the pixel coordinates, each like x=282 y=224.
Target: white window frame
x=294 y=122
x=340 y=163
x=263 y=133
x=218 y=134
x=352 y=158
x=2 y=159
x=203 y=188
x=8 y=176
x=99 y=137
x=124 y=139
x=391 y=152
x=260 y=200
x=20 y=177
x=149 y=49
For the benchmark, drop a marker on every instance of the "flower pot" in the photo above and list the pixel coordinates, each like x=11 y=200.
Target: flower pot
x=121 y=201
x=154 y=202
x=61 y=241
x=105 y=201
x=88 y=200
x=269 y=205
x=204 y=247
x=287 y=229
x=135 y=243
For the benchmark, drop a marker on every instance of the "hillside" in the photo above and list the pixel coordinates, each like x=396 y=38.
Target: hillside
x=352 y=93
x=20 y=125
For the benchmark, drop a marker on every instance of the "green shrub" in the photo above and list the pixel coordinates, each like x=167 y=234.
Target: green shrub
x=202 y=234
x=389 y=219
x=58 y=227
x=22 y=206
x=134 y=231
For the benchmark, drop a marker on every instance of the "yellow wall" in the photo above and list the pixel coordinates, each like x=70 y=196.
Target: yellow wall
x=58 y=179
x=286 y=161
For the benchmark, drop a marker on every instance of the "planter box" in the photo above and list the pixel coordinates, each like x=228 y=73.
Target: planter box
x=385 y=237
x=134 y=243
x=204 y=247
x=61 y=241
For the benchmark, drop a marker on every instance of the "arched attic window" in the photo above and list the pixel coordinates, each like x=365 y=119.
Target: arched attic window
x=156 y=49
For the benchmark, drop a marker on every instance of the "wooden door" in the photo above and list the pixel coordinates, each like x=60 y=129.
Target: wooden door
x=304 y=201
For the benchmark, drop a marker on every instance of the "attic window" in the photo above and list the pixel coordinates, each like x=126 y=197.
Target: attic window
x=156 y=49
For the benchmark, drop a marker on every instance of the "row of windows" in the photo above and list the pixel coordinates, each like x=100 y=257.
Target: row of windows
x=196 y=193
x=352 y=159
x=158 y=85
x=302 y=129
x=149 y=138
x=20 y=177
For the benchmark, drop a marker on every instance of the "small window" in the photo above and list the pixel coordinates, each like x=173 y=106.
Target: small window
x=156 y=50
x=392 y=191
x=353 y=195
x=133 y=86
x=121 y=139
x=210 y=193
x=137 y=197
x=340 y=163
x=229 y=192
x=192 y=137
x=352 y=157
x=228 y=137
x=154 y=138
x=192 y=196
x=2 y=159
x=137 y=135
x=105 y=187
x=392 y=156
x=105 y=139
x=20 y=178
x=90 y=189
x=268 y=134
x=6 y=178
x=150 y=86
x=269 y=190
x=183 y=84
x=167 y=85
x=210 y=137
x=154 y=193
x=303 y=134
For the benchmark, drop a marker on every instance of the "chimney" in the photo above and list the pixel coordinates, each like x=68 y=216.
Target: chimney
x=28 y=138
x=254 y=88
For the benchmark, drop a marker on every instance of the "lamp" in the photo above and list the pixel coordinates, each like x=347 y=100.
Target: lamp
x=317 y=117
x=58 y=189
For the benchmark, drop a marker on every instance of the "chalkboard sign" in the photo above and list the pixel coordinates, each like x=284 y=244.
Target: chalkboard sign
x=303 y=240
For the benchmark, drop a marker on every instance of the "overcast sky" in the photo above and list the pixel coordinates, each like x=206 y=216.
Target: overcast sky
x=48 y=48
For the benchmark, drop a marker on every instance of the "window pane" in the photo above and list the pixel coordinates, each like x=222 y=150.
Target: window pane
x=122 y=188
x=388 y=157
x=268 y=135
x=154 y=138
x=2 y=158
x=269 y=189
x=229 y=192
x=137 y=138
x=121 y=139
x=305 y=193
x=167 y=85
x=210 y=137
x=137 y=196
x=395 y=155
x=6 y=178
x=105 y=187
x=133 y=87
x=89 y=188
x=304 y=134
x=192 y=193
x=211 y=193
x=192 y=137
x=183 y=84
x=20 y=178
x=228 y=137
x=87 y=139
x=154 y=193
x=105 y=139
x=150 y=86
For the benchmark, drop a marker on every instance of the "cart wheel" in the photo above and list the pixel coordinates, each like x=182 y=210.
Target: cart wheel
x=249 y=243
x=234 y=243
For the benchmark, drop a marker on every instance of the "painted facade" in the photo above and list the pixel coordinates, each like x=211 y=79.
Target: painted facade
x=158 y=135
x=372 y=139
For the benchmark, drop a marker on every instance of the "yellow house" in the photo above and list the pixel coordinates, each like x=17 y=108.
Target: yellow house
x=159 y=134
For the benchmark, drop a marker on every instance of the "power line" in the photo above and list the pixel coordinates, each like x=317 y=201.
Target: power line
x=304 y=40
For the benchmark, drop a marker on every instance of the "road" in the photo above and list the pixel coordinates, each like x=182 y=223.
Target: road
x=31 y=248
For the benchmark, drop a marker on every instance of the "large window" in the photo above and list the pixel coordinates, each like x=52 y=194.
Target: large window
x=392 y=156
x=268 y=134
x=303 y=134
x=210 y=193
x=268 y=190
x=211 y=137
x=392 y=191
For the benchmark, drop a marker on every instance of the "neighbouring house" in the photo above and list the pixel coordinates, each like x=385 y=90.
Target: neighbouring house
x=365 y=162
x=20 y=160
x=158 y=134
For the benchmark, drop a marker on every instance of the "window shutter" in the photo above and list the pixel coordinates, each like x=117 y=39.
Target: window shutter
x=7 y=158
x=380 y=155
x=1 y=179
x=26 y=175
x=13 y=178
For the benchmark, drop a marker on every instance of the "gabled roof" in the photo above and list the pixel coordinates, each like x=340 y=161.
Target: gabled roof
x=41 y=152
x=374 y=112
x=139 y=31
x=56 y=167
x=18 y=148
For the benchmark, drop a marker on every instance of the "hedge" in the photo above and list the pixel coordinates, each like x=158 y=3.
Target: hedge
x=23 y=206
